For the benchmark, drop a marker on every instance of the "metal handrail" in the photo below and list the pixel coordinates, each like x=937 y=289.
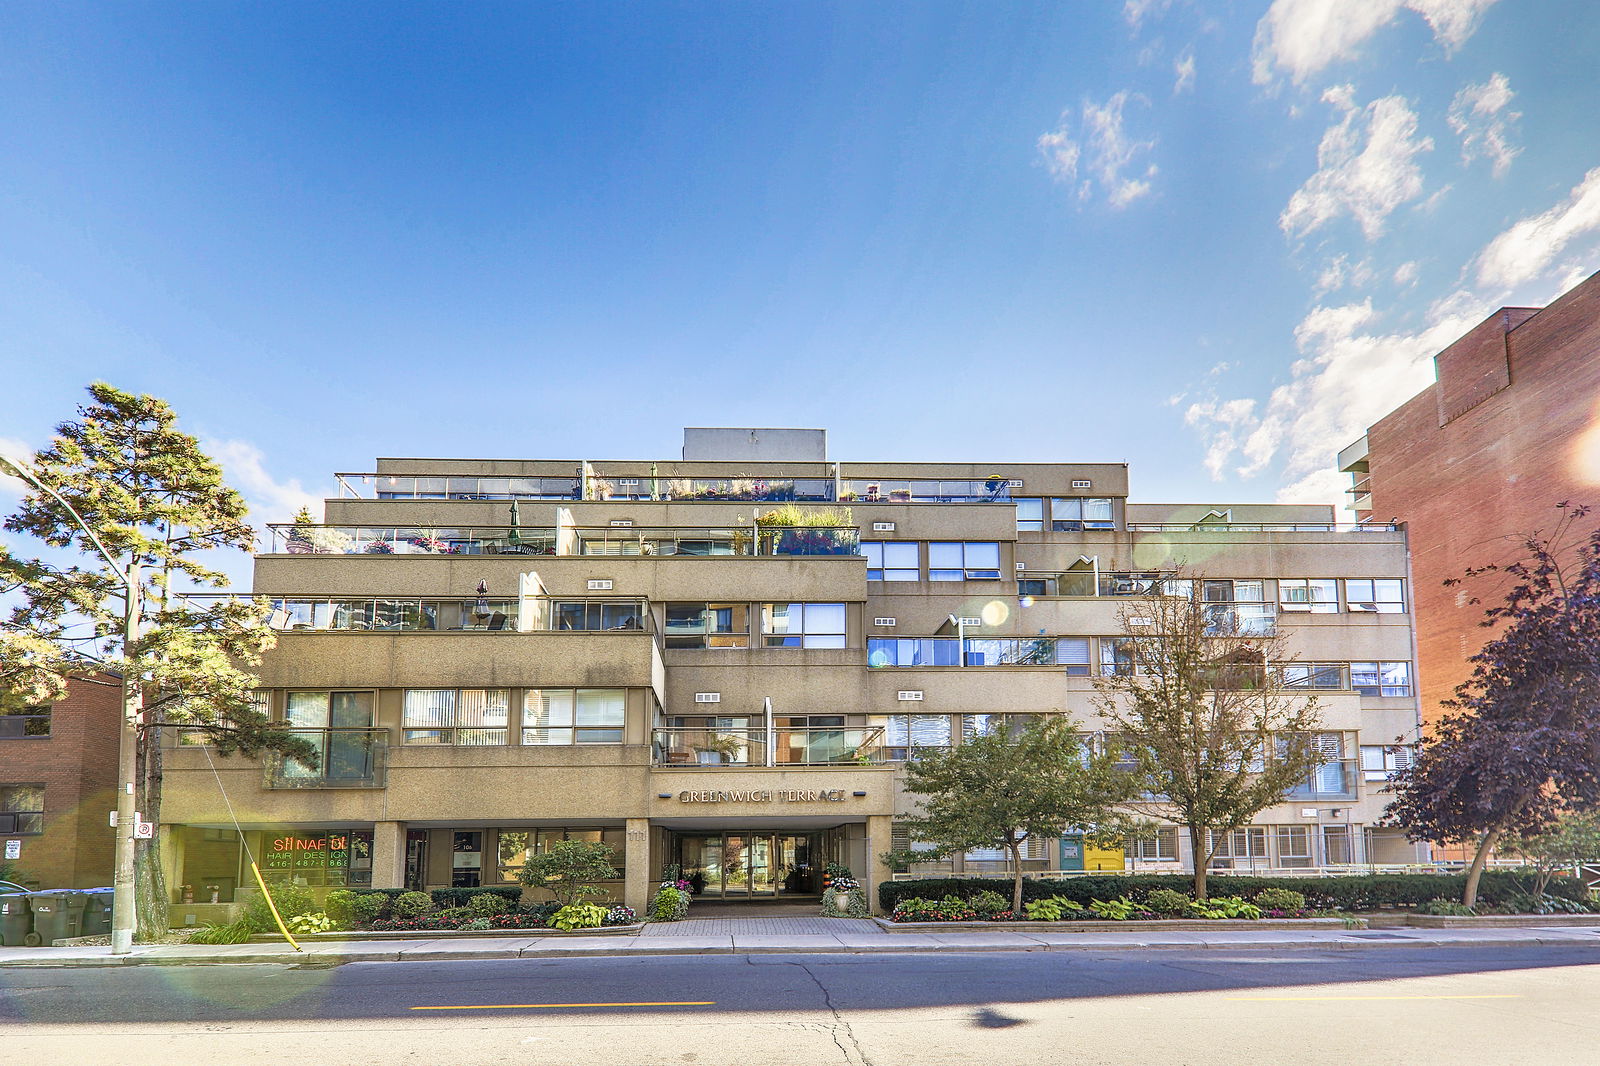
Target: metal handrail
x=701 y=746
x=1259 y=527
x=289 y=539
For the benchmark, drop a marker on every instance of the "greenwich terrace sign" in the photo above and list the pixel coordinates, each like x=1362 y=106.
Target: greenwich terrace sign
x=770 y=795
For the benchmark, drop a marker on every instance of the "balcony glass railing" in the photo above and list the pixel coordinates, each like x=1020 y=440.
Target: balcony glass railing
x=639 y=540
x=459 y=614
x=1087 y=583
x=947 y=651
x=1331 y=781
x=682 y=489
x=410 y=540
x=709 y=746
x=1259 y=527
x=452 y=487
x=346 y=758
x=892 y=490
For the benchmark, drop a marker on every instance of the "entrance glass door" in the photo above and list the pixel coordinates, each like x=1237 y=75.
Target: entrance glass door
x=750 y=865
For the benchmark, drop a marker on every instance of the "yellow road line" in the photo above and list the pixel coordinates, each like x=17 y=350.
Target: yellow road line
x=1318 y=999
x=546 y=1006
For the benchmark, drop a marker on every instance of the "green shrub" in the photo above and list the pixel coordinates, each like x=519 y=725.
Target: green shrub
x=988 y=903
x=505 y=898
x=1224 y=907
x=1054 y=909
x=368 y=907
x=478 y=924
x=1280 y=899
x=1117 y=910
x=578 y=916
x=669 y=905
x=486 y=905
x=1452 y=908
x=1167 y=901
x=412 y=905
x=309 y=923
x=237 y=932
x=338 y=905
x=855 y=905
x=292 y=901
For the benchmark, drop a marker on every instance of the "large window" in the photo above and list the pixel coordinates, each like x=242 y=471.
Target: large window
x=1379 y=595
x=466 y=859
x=1381 y=679
x=1160 y=846
x=1073 y=653
x=516 y=846
x=956 y=560
x=1294 y=845
x=1379 y=762
x=891 y=560
x=1030 y=515
x=708 y=625
x=1118 y=656
x=803 y=625
x=596 y=615
x=573 y=715
x=1076 y=513
x=1312 y=595
x=1241 y=847
x=339 y=726
x=329 y=710
x=21 y=809
x=907 y=735
x=1313 y=675
x=469 y=716
x=24 y=720
x=1239 y=606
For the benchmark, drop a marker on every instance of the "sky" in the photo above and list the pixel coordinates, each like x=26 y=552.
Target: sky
x=1214 y=240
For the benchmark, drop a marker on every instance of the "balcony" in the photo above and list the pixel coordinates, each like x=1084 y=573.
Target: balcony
x=458 y=614
x=1260 y=527
x=347 y=758
x=890 y=490
x=713 y=489
x=770 y=541
x=979 y=651
x=451 y=487
x=709 y=746
x=409 y=540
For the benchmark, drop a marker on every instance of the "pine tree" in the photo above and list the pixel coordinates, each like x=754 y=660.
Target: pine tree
x=157 y=503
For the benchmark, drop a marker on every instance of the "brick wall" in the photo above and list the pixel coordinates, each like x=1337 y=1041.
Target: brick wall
x=1484 y=455
x=77 y=765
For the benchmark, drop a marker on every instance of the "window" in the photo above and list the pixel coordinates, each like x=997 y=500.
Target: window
x=1160 y=846
x=1071 y=514
x=1337 y=848
x=954 y=560
x=1241 y=846
x=1117 y=656
x=1313 y=675
x=517 y=845
x=906 y=735
x=573 y=715
x=1030 y=516
x=1380 y=595
x=1379 y=762
x=987 y=725
x=891 y=560
x=1073 y=653
x=1238 y=607
x=24 y=720
x=803 y=625
x=1294 y=845
x=597 y=615
x=339 y=726
x=329 y=710
x=260 y=703
x=21 y=809
x=708 y=625
x=1314 y=595
x=1381 y=679
x=466 y=860
x=464 y=717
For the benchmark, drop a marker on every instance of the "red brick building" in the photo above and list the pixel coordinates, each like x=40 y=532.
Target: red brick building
x=1511 y=426
x=58 y=774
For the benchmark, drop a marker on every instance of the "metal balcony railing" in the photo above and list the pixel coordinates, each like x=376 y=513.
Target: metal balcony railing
x=979 y=651
x=710 y=746
x=1334 y=780
x=486 y=614
x=346 y=758
x=455 y=487
x=1258 y=527
x=410 y=540
x=917 y=490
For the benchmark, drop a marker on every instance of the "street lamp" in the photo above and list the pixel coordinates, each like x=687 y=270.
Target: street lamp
x=123 y=918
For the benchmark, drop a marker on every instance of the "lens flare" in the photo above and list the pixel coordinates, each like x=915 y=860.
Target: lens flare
x=995 y=612
x=1586 y=453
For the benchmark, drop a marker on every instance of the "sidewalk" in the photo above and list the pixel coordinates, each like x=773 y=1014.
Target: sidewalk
x=758 y=936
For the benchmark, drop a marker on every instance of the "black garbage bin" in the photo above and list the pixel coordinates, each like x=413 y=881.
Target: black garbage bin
x=57 y=915
x=16 y=920
x=97 y=912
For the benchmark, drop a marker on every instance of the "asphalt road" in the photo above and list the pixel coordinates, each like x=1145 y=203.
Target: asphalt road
x=1504 y=1007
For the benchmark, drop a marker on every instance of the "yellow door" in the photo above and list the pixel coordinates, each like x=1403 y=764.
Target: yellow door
x=1102 y=858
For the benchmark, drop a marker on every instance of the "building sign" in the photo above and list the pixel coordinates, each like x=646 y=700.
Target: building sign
x=315 y=859
x=768 y=795
x=13 y=849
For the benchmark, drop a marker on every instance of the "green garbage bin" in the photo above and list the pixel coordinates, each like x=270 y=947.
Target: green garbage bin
x=57 y=915
x=97 y=912
x=16 y=920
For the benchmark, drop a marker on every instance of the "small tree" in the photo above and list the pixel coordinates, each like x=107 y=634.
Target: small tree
x=997 y=790
x=1196 y=698
x=1572 y=840
x=156 y=503
x=569 y=870
x=1519 y=744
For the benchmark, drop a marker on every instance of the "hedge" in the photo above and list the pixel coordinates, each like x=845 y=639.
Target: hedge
x=451 y=897
x=1355 y=893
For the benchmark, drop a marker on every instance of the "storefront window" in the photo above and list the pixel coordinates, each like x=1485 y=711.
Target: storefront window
x=318 y=859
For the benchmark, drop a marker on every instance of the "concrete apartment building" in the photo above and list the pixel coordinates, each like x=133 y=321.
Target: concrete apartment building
x=1510 y=428
x=496 y=654
x=58 y=779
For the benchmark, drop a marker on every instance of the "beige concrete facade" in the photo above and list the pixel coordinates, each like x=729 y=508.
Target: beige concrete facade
x=656 y=674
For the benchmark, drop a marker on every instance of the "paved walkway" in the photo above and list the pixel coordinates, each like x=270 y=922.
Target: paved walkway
x=818 y=936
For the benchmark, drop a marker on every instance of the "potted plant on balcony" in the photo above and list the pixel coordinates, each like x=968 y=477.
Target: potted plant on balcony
x=721 y=749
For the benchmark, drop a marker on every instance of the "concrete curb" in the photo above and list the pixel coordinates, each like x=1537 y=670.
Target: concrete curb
x=664 y=947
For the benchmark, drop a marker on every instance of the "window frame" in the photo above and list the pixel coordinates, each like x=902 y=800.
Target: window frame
x=1379 y=688
x=450 y=734
x=803 y=636
x=1308 y=586
x=877 y=554
x=19 y=818
x=573 y=727
x=1372 y=603
x=966 y=571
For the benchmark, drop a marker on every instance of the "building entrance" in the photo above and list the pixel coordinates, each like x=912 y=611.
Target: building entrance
x=751 y=865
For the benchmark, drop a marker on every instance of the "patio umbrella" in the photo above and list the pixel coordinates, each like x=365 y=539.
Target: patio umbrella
x=481 y=608
x=515 y=539
x=655 y=486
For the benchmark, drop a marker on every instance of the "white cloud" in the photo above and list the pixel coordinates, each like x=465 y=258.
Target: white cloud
x=1226 y=421
x=1183 y=68
x=1301 y=37
x=1136 y=11
x=1406 y=273
x=1366 y=166
x=244 y=468
x=1527 y=249
x=1100 y=155
x=1339 y=272
x=1478 y=116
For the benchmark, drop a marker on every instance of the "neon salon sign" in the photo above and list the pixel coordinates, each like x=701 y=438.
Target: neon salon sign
x=337 y=842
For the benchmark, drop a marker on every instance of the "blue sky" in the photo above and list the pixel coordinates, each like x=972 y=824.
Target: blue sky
x=1215 y=240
